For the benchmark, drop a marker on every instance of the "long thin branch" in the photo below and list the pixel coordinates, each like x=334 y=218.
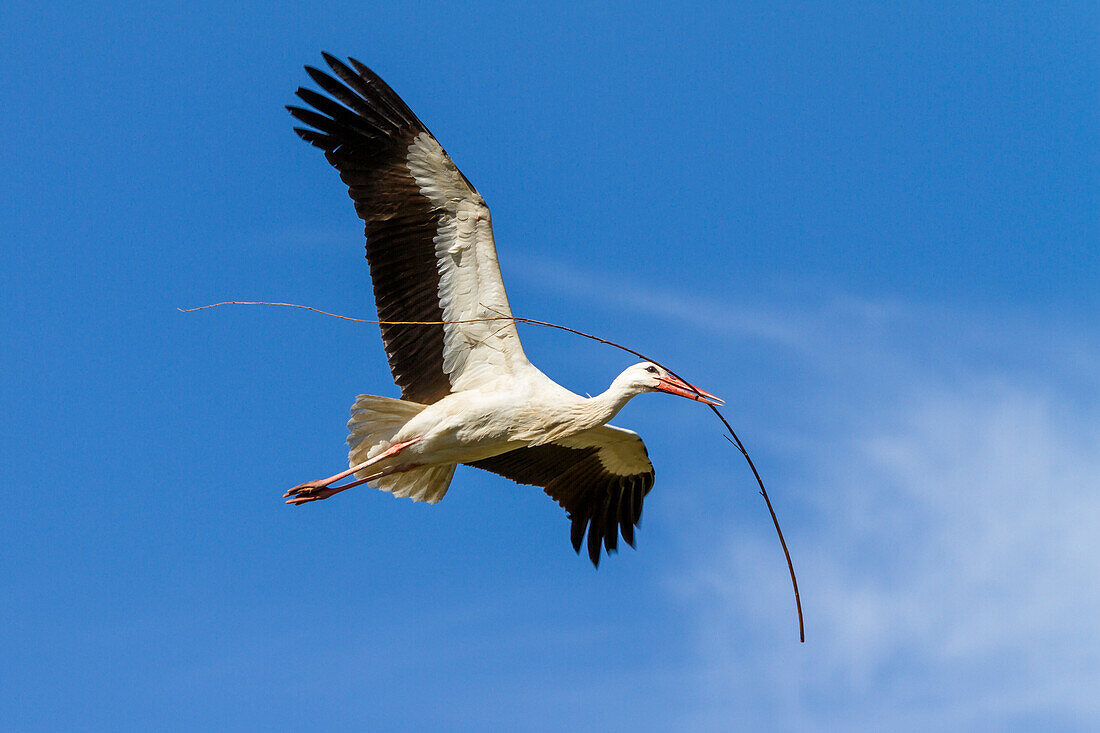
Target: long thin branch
x=732 y=437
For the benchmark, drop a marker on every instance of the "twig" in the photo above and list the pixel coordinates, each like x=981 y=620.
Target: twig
x=732 y=437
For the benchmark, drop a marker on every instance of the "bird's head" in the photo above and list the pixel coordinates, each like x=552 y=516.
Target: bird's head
x=649 y=377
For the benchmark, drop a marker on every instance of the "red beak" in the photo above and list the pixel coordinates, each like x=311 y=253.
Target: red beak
x=677 y=386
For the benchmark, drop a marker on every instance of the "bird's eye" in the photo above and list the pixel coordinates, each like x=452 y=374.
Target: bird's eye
x=651 y=369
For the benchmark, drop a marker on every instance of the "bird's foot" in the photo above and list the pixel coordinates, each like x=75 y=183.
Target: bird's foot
x=310 y=491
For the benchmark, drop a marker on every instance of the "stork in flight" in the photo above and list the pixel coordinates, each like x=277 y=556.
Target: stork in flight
x=469 y=394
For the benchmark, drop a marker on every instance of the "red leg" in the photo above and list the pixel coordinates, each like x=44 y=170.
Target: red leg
x=327 y=492
x=323 y=489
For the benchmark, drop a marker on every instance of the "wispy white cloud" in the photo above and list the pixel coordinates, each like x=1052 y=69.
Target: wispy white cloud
x=949 y=565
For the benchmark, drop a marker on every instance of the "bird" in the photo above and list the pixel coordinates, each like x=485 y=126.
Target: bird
x=469 y=395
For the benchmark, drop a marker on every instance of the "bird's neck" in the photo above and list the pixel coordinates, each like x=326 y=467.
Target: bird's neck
x=604 y=406
x=572 y=416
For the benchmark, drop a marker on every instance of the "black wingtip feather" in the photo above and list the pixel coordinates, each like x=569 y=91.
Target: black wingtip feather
x=314 y=138
x=626 y=508
x=611 y=523
x=594 y=542
x=362 y=68
x=311 y=118
x=341 y=70
x=576 y=532
x=318 y=76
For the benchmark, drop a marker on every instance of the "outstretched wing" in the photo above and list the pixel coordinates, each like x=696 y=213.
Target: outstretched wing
x=429 y=236
x=599 y=476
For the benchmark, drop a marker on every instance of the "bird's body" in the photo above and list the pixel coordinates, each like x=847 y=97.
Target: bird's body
x=469 y=394
x=474 y=424
x=471 y=425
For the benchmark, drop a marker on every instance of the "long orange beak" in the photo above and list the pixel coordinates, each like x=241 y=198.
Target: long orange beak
x=677 y=386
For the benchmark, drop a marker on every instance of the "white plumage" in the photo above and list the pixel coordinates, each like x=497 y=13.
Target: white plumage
x=469 y=394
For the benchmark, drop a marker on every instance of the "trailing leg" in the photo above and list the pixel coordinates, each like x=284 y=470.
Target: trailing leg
x=323 y=489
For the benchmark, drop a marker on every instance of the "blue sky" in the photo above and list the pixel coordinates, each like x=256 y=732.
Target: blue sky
x=872 y=228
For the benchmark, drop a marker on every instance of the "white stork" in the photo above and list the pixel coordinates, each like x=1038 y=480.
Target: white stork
x=469 y=394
